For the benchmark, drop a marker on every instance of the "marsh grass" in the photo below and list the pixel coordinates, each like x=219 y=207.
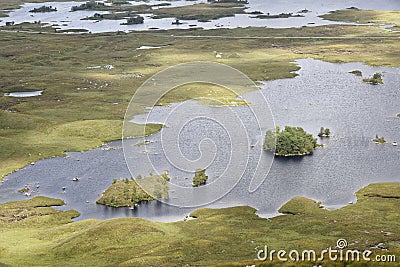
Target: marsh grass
x=364 y=16
x=201 y=12
x=217 y=237
x=82 y=108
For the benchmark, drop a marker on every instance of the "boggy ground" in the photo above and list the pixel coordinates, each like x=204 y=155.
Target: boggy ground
x=83 y=107
x=33 y=234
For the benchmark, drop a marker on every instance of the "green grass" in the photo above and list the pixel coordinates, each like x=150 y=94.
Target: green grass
x=365 y=16
x=209 y=94
x=82 y=108
x=201 y=12
x=223 y=237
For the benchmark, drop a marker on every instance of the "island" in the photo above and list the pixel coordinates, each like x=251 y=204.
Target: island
x=379 y=140
x=200 y=178
x=92 y=5
x=278 y=16
x=134 y=20
x=356 y=72
x=324 y=132
x=43 y=9
x=375 y=79
x=292 y=141
x=128 y=193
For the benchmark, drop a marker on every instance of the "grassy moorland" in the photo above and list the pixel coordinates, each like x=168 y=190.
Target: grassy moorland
x=82 y=107
x=201 y=12
x=365 y=16
x=32 y=234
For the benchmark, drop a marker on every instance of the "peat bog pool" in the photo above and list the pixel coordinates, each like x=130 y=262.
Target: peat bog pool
x=66 y=20
x=323 y=94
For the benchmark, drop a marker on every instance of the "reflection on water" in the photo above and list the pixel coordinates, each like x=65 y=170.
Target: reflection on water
x=64 y=19
x=323 y=94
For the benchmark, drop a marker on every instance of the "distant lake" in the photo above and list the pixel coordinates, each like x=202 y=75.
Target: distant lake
x=64 y=19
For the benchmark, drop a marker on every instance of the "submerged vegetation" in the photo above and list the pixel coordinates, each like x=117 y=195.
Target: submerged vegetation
x=292 y=141
x=375 y=79
x=200 y=178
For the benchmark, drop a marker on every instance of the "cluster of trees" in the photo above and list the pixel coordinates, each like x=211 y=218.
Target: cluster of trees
x=324 y=132
x=43 y=9
x=292 y=141
x=88 y=5
x=134 y=20
x=200 y=177
x=375 y=79
x=124 y=193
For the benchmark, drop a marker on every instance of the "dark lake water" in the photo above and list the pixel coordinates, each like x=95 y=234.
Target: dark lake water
x=323 y=94
x=64 y=19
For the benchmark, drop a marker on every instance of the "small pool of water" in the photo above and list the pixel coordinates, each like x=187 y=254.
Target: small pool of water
x=24 y=94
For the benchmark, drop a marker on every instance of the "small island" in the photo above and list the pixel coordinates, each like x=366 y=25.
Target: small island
x=292 y=141
x=356 y=72
x=324 y=132
x=134 y=20
x=43 y=9
x=375 y=79
x=92 y=5
x=200 y=178
x=278 y=16
x=379 y=140
x=127 y=192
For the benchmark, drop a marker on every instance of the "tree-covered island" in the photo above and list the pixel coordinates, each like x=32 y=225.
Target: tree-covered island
x=128 y=192
x=292 y=141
